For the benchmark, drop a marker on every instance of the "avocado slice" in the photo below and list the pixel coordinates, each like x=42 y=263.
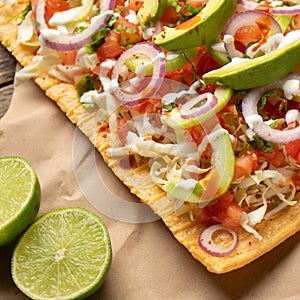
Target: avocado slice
x=151 y=11
x=202 y=29
x=283 y=20
x=180 y=59
x=174 y=119
x=216 y=182
x=257 y=71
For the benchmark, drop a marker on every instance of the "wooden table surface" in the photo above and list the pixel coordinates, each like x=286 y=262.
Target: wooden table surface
x=7 y=72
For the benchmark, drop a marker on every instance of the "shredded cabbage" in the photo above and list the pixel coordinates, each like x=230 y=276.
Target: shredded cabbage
x=45 y=59
x=258 y=191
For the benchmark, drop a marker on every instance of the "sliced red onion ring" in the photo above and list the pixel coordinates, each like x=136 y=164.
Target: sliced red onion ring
x=191 y=110
x=64 y=41
x=286 y=10
x=248 y=4
x=244 y=19
x=255 y=121
x=134 y=95
x=206 y=241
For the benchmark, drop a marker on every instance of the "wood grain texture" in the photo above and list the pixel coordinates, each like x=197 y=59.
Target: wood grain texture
x=7 y=73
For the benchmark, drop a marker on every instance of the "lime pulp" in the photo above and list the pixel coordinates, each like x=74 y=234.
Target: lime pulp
x=65 y=254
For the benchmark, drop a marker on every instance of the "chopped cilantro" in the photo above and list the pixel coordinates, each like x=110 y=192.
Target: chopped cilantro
x=97 y=40
x=175 y=5
x=275 y=94
x=169 y=107
x=126 y=29
x=238 y=99
x=190 y=11
x=276 y=123
x=259 y=144
x=98 y=37
x=25 y=11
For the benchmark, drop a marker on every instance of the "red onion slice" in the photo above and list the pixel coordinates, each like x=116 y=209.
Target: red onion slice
x=248 y=4
x=191 y=110
x=286 y=10
x=57 y=40
x=255 y=121
x=206 y=241
x=134 y=95
x=280 y=10
x=244 y=19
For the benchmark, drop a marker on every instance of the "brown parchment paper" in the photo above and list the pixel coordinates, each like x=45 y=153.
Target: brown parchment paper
x=148 y=263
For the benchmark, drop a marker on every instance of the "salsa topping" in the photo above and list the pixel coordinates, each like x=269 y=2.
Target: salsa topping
x=225 y=155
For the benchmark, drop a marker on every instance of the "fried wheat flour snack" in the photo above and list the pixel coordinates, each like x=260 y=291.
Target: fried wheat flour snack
x=218 y=163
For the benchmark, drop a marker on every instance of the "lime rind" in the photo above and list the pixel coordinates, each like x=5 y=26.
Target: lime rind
x=65 y=254
x=20 y=197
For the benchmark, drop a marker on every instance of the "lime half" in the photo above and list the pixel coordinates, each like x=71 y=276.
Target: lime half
x=64 y=254
x=19 y=197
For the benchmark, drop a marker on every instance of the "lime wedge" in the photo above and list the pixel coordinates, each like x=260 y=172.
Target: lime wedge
x=19 y=197
x=65 y=254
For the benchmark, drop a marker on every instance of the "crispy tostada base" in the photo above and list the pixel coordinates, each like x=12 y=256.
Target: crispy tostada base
x=274 y=231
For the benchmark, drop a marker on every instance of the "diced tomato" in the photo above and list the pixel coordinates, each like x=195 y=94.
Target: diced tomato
x=224 y=211
x=276 y=157
x=68 y=57
x=256 y=32
x=110 y=48
x=296 y=179
x=119 y=2
x=128 y=32
x=184 y=75
x=197 y=133
x=245 y=165
x=209 y=88
x=228 y=117
x=233 y=216
x=148 y=106
x=135 y=5
x=201 y=64
x=53 y=6
x=122 y=130
x=205 y=62
x=248 y=34
x=196 y=3
x=293 y=150
x=170 y=16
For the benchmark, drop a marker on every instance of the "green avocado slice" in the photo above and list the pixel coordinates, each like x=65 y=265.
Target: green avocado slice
x=151 y=11
x=202 y=29
x=174 y=119
x=180 y=59
x=216 y=182
x=257 y=71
